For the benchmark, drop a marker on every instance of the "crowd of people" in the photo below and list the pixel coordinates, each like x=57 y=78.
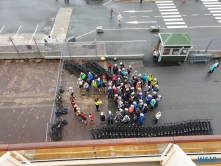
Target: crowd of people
x=133 y=94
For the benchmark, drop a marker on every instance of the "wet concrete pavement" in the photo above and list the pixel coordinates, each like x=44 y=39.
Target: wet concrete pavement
x=27 y=90
x=188 y=92
x=76 y=130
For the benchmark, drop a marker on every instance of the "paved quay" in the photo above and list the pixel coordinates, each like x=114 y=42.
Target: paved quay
x=27 y=91
x=76 y=130
x=188 y=91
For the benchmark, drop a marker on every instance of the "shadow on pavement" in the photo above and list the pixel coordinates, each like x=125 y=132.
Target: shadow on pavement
x=148 y=62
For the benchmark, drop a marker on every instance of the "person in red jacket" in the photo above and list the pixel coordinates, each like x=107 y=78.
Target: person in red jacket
x=72 y=101
x=109 y=65
x=83 y=118
x=114 y=78
x=91 y=118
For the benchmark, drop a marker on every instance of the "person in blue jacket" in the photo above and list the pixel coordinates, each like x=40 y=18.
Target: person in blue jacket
x=99 y=84
x=140 y=96
x=141 y=119
x=123 y=72
x=90 y=76
x=148 y=99
x=144 y=78
x=212 y=68
x=135 y=105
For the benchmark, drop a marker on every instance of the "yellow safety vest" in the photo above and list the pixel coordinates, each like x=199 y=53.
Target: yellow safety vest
x=150 y=78
x=154 y=83
x=98 y=102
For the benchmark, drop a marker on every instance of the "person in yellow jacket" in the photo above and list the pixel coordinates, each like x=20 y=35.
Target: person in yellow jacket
x=150 y=78
x=154 y=83
x=97 y=104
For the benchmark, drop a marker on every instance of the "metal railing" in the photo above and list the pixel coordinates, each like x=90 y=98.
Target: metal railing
x=114 y=148
x=77 y=49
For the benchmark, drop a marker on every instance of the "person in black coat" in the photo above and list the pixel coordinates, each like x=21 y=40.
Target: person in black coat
x=115 y=69
x=102 y=118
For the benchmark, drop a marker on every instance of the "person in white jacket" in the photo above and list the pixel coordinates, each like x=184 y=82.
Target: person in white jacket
x=157 y=117
x=119 y=17
x=49 y=43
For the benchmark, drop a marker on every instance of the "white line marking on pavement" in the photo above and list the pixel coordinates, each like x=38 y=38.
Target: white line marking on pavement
x=172 y=23
x=219 y=21
x=133 y=16
x=216 y=11
x=208 y=0
x=183 y=15
x=168 y=10
x=210 y=3
x=145 y=16
x=133 y=11
x=204 y=26
x=164 y=1
x=207 y=14
x=52 y=30
x=165 y=4
x=218 y=18
x=217 y=14
x=171 y=13
x=195 y=14
x=85 y=34
x=171 y=16
x=214 y=8
x=33 y=34
x=107 y=2
x=122 y=29
x=166 y=7
x=180 y=19
x=2 y=29
x=157 y=16
x=213 y=5
x=16 y=33
x=136 y=22
x=177 y=27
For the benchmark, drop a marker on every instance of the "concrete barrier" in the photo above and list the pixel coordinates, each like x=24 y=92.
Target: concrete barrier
x=31 y=55
x=100 y=29
x=25 y=55
x=216 y=53
x=57 y=55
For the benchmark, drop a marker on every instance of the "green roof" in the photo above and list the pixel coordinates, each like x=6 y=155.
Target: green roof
x=175 y=39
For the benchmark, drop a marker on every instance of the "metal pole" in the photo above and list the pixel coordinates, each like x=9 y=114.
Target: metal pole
x=209 y=44
x=68 y=48
x=59 y=47
x=36 y=44
x=95 y=43
x=145 y=47
x=15 y=47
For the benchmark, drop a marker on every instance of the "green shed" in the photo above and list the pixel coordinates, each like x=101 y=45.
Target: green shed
x=172 y=46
